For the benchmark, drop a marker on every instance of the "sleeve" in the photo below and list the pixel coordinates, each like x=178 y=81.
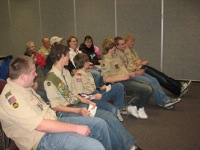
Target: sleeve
x=53 y=94
x=105 y=69
x=77 y=84
x=20 y=112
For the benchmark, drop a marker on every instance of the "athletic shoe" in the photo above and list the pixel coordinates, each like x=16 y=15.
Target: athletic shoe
x=167 y=108
x=171 y=102
x=184 y=87
x=135 y=147
x=132 y=110
x=119 y=115
x=142 y=114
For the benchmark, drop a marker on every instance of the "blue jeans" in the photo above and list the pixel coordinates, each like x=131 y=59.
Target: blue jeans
x=142 y=89
x=116 y=94
x=97 y=77
x=119 y=137
x=71 y=141
x=158 y=94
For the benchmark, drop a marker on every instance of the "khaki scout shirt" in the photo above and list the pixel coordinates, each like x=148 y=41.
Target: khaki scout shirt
x=21 y=111
x=44 y=51
x=127 y=58
x=112 y=67
x=61 y=92
x=134 y=54
x=84 y=82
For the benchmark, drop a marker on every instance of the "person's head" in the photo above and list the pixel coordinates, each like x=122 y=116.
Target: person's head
x=31 y=54
x=56 y=39
x=59 y=53
x=72 y=42
x=30 y=45
x=108 y=46
x=22 y=68
x=129 y=39
x=120 y=43
x=46 y=42
x=81 y=60
x=88 y=41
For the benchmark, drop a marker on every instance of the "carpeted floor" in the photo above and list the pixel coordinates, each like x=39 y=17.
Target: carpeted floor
x=177 y=129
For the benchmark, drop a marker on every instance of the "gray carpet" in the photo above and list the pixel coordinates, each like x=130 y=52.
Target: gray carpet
x=177 y=129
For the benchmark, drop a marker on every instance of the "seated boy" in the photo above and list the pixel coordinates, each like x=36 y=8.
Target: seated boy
x=84 y=83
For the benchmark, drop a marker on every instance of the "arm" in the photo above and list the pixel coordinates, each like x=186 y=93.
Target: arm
x=116 y=79
x=52 y=126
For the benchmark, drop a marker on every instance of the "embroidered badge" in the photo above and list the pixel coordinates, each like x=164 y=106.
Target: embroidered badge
x=7 y=94
x=48 y=83
x=15 y=105
x=78 y=79
x=116 y=66
x=12 y=100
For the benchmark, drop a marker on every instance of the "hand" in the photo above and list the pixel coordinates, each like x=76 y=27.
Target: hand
x=83 y=130
x=84 y=112
x=126 y=77
x=140 y=72
x=145 y=62
x=103 y=87
x=98 y=96
x=131 y=74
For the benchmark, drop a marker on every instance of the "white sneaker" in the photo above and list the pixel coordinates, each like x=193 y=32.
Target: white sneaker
x=132 y=110
x=119 y=115
x=142 y=114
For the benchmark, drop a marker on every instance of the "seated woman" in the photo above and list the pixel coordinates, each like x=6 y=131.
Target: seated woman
x=72 y=43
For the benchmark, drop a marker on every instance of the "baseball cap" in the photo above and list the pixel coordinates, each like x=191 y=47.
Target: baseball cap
x=55 y=39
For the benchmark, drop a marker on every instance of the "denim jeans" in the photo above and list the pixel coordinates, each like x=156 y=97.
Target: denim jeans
x=116 y=94
x=172 y=85
x=119 y=137
x=97 y=77
x=158 y=94
x=142 y=89
x=70 y=141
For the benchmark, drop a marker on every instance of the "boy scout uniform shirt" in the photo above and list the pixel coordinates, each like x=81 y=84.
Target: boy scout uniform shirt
x=84 y=82
x=54 y=95
x=21 y=111
x=127 y=58
x=112 y=67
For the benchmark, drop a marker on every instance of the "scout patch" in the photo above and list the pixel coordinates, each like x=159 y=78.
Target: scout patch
x=79 y=74
x=7 y=94
x=48 y=83
x=12 y=100
x=15 y=105
x=78 y=79
x=116 y=66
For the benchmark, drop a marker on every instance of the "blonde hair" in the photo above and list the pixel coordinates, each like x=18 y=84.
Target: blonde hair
x=28 y=44
x=128 y=37
x=107 y=45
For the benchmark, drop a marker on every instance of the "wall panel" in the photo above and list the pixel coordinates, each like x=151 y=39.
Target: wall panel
x=57 y=18
x=24 y=23
x=5 y=32
x=143 y=19
x=95 y=18
x=181 y=38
